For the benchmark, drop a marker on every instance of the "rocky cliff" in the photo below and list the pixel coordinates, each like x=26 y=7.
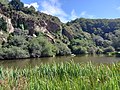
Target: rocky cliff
x=40 y=23
x=10 y=27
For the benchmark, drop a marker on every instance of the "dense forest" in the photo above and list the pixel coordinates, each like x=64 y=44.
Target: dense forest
x=25 y=33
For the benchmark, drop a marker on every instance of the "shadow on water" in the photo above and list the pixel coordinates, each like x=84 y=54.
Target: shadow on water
x=97 y=59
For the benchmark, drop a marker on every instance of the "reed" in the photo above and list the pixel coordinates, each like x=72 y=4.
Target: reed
x=62 y=76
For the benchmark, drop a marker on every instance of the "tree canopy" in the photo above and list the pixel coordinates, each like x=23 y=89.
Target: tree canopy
x=16 y=4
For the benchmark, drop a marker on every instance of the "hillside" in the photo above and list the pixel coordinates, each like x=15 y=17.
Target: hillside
x=97 y=35
x=25 y=33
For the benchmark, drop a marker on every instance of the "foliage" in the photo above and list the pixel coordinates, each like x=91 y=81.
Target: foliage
x=18 y=41
x=79 y=50
x=109 y=49
x=41 y=47
x=4 y=2
x=116 y=42
x=62 y=49
x=13 y=53
x=3 y=24
x=62 y=76
x=16 y=4
x=103 y=32
x=82 y=46
x=29 y=10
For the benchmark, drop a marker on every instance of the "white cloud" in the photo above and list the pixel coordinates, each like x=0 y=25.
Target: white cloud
x=35 y=5
x=73 y=15
x=53 y=7
x=83 y=14
x=86 y=15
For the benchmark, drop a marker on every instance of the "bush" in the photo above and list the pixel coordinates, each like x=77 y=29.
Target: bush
x=4 y=2
x=62 y=49
x=92 y=50
x=13 y=53
x=109 y=49
x=79 y=50
x=3 y=24
x=99 y=51
x=39 y=47
x=18 y=41
x=16 y=4
x=35 y=48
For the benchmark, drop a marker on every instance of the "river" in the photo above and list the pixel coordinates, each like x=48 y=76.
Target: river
x=96 y=59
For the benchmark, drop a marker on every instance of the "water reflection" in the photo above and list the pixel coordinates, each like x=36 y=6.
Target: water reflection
x=77 y=59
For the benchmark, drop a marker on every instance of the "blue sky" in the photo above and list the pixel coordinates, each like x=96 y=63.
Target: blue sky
x=68 y=10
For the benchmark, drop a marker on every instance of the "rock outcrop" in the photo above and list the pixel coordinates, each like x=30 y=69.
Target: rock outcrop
x=10 y=27
x=47 y=24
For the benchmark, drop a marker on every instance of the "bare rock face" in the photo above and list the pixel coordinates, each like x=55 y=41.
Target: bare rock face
x=10 y=27
x=67 y=31
x=42 y=27
x=53 y=27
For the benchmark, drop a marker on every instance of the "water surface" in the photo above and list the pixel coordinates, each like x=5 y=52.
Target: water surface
x=77 y=59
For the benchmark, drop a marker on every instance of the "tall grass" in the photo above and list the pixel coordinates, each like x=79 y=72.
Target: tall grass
x=62 y=76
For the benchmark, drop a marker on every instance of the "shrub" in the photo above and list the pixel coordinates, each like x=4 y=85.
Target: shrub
x=40 y=46
x=3 y=24
x=16 y=4
x=79 y=50
x=109 y=49
x=4 y=2
x=13 y=53
x=99 y=51
x=62 y=49
x=35 y=48
x=18 y=41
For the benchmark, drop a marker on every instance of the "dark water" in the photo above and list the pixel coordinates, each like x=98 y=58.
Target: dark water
x=77 y=59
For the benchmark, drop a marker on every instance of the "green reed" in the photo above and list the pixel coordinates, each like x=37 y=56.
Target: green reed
x=62 y=76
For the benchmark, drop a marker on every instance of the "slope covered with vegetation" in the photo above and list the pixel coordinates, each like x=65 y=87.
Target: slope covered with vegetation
x=96 y=35
x=25 y=33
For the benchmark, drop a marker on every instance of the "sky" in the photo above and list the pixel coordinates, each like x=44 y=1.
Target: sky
x=68 y=10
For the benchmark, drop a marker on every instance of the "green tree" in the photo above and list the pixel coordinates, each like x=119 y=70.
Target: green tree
x=18 y=41
x=109 y=49
x=3 y=24
x=29 y=10
x=39 y=47
x=13 y=53
x=79 y=50
x=116 y=43
x=4 y=1
x=16 y=4
x=62 y=49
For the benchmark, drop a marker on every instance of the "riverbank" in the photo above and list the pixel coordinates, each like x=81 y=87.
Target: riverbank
x=110 y=54
x=62 y=76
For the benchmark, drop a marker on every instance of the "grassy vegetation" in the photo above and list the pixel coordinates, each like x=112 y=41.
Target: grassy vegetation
x=62 y=76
